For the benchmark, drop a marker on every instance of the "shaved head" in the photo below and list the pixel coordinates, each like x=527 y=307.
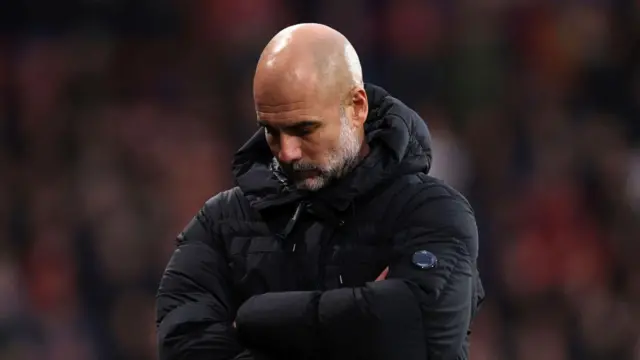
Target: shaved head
x=309 y=54
x=310 y=99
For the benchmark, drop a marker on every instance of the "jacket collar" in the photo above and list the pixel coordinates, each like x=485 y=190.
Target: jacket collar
x=399 y=144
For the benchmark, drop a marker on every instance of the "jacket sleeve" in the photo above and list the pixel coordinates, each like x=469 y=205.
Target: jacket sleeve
x=195 y=310
x=417 y=313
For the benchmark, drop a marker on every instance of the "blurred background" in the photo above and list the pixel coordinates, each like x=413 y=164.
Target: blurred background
x=118 y=119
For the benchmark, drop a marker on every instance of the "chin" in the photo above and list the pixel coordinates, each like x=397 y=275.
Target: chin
x=312 y=184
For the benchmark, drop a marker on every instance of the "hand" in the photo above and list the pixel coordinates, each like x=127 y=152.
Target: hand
x=383 y=274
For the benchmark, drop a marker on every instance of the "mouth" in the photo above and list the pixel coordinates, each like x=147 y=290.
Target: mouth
x=306 y=174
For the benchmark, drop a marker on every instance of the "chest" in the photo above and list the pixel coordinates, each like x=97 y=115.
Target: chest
x=317 y=253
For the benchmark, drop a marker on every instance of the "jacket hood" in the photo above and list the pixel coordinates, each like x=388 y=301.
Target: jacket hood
x=399 y=144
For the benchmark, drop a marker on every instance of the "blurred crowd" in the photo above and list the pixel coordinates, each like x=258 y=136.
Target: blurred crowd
x=118 y=119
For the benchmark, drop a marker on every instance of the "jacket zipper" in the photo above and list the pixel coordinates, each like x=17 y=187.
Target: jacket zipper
x=325 y=254
x=290 y=249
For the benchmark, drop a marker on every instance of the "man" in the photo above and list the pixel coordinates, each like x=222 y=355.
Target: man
x=332 y=191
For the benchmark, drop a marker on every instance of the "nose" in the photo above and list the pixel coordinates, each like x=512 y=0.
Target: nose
x=289 y=149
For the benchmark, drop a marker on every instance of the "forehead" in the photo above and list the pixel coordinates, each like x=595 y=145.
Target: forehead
x=283 y=91
x=287 y=106
x=287 y=114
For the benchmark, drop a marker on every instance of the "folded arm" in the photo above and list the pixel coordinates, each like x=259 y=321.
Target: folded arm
x=195 y=311
x=415 y=314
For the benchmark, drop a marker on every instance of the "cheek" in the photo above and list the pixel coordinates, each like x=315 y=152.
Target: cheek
x=318 y=147
x=311 y=152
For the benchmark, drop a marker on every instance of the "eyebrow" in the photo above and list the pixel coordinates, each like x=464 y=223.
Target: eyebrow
x=299 y=125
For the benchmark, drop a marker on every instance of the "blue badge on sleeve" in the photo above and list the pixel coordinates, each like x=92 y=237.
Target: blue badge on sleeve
x=424 y=259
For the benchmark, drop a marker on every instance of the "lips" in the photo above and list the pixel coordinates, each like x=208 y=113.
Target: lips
x=305 y=174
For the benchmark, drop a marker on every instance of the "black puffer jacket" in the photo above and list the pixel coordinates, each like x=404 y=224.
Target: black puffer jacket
x=296 y=271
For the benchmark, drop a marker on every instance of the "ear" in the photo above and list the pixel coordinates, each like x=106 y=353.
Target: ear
x=360 y=105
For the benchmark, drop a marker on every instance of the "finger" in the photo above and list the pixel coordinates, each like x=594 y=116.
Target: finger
x=383 y=275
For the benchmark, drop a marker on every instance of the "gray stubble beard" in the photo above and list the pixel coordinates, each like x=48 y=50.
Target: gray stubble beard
x=341 y=160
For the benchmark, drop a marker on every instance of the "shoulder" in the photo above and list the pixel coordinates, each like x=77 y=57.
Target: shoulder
x=423 y=191
x=431 y=191
x=432 y=204
x=228 y=205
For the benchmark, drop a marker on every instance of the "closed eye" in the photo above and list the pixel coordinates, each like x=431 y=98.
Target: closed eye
x=302 y=128
x=299 y=129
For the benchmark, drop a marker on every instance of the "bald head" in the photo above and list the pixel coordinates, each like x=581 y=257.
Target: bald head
x=309 y=58
x=311 y=102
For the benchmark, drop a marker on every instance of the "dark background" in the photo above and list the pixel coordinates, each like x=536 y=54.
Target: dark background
x=118 y=119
